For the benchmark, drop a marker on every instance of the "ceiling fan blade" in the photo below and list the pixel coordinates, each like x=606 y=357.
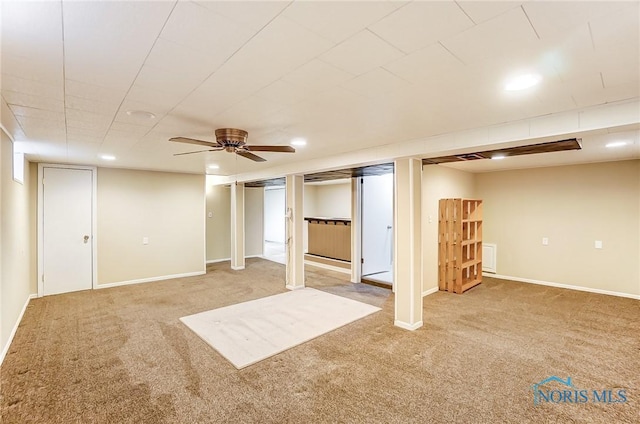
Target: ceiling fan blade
x=198 y=151
x=250 y=155
x=194 y=141
x=283 y=149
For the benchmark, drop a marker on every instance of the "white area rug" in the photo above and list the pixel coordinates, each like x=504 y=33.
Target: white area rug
x=249 y=332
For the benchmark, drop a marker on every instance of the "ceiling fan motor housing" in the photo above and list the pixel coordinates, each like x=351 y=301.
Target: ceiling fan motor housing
x=231 y=137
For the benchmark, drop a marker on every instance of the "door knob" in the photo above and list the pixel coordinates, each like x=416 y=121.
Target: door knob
x=86 y=239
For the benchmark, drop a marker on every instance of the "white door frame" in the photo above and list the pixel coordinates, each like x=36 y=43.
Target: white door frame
x=94 y=238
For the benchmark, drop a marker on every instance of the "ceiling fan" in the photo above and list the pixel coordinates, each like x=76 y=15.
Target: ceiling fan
x=232 y=140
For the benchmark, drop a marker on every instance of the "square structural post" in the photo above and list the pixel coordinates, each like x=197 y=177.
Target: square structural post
x=408 y=243
x=237 y=226
x=294 y=232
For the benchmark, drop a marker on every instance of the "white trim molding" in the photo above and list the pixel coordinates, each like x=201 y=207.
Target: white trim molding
x=329 y=267
x=215 y=261
x=149 y=280
x=406 y=326
x=5 y=348
x=563 y=286
x=430 y=291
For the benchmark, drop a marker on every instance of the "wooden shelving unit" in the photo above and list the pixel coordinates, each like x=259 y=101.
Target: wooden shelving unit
x=459 y=244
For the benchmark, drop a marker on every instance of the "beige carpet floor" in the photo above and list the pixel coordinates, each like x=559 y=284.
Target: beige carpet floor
x=121 y=355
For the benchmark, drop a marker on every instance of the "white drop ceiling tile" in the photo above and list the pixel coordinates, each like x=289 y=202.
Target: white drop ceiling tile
x=284 y=93
x=503 y=35
x=551 y=18
x=83 y=115
x=376 y=83
x=30 y=122
x=26 y=86
x=36 y=69
x=337 y=21
x=107 y=42
x=93 y=106
x=161 y=101
x=136 y=119
x=590 y=98
x=278 y=49
x=36 y=102
x=615 y=75
x=481 y=11
x=125 y=127
x=246 y=113
x=42 y=47
x=361 y=53
x=95 y=92
x=87 y=125
x=432 y=62
x=184 y=63
x=628 y=90
x=622 y=26
x=38 y=132
x=37 y=113
x=93 y=136
x=167 y=81
x=317 y=75
x=422 y=23
x=202 y=29
x=252 y=15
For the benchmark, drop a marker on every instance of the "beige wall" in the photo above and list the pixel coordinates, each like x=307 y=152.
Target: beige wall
x=218 y=231
x=219 y=225
x=254 y=221
x=16 y=234
x=438 y=182
x=573 y=206
x=166 y=207
x=332 y=200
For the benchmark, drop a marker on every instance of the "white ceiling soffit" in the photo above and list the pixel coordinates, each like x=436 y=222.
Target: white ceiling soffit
x=360 y=81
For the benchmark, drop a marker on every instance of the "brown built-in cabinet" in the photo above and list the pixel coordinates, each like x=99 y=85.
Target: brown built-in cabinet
x=459 y=244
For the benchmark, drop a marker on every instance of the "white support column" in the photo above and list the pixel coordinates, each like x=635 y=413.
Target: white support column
x=294 y=234
x=237 y=226
x=408 y=244
x=356 y=229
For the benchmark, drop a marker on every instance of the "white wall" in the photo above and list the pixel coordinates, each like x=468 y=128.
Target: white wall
x=16 y=235
x=438 y=182
x=274 y=210
x=168 y=208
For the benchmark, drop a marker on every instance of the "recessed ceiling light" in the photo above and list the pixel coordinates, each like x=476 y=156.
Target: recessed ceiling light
x=107 y=157
x=522 y=82
x=213 y=167
x=616 y=144
x=141 y=114
x=299 y=142
x=498 y=157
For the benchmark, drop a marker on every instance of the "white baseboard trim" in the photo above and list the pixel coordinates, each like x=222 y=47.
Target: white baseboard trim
x=407 y=326
x=149 y=280
x=215 y=261
x=253 y=256
x=290 y=287
x=430 y=291
x=562 y=286
x=329 y=267
x=5 y=348
x=237 y=268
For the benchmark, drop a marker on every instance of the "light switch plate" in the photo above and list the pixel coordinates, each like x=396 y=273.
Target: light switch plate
x=545 y=241
x=145 y=240
x=598 y=244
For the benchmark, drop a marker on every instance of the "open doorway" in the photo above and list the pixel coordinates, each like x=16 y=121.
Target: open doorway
x=274 y=224
x=377 y=229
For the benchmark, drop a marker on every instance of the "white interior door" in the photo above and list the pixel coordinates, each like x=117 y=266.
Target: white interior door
x=67 y=201
x=274 y=208
x=377 y=224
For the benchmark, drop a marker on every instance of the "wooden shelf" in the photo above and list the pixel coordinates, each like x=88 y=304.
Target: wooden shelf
x=459 y=244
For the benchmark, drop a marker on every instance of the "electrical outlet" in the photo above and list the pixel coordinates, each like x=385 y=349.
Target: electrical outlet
x=598 y=244
x=210 y=215
x=145 y=240
x=545 y=241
